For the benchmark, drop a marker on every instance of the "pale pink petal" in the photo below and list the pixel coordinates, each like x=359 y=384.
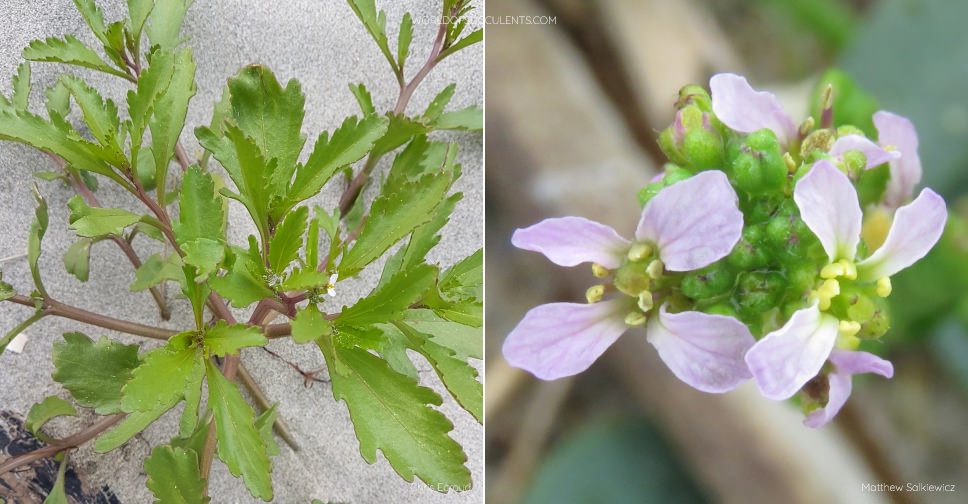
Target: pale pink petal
x=897 y=131
x=787 y=358
x=829 y=207
x=916 y=228
x=693 y=222
x=746 y=110
x=561 y=339
x=875 y=154
x=840 y=385
x=705 y=351
x=846 y=364
x=569 y=241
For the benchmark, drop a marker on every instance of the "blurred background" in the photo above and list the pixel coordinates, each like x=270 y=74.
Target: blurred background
x=574 y=107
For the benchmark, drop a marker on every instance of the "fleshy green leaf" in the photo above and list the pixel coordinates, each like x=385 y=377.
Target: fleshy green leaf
x=465 y=341
x=363 y=98
x=400 y=130
x=21 y=87
x=421 y=241
x=69 y=50
x=152 y=84
x=92 y=16
x=101 y=117
x=159 y=380
x=239 y=285
x=395 y=213
x=57 y=494
x=458 y=376
x=226 y=339
x=43 y=411
x=77 y=259
x=92 y=222
x=170 y=110
x=403 y=39
x=173 y=476
x=390 y=412
x=240 y=444
x=471 y=39
x=59 y=105
x=271 y=116
x=138 y=11
x=205 y=255
x=437 y=105
x=284 y=246
x=38 y=227
x=464 y=280
x=32 y=130
x=94 y=372
x=375 y=23
x=193 y=396
x=312 y=244
x=389 y=301
x=309 y=324
x=201 y=211
x=131 y=425
x=468 y=119
x=156 y=270
x=264 y=425
x=305 y=279
x=349 y=143
x=6 y=290
x=166 y=20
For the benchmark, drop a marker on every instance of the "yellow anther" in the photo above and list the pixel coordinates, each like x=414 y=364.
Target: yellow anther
x=849 y=327
x=636 y=318
x=790 y=163
x=655 y=269
x=594 y=293
x=832 y=270
x=884 y=287
x=850 y=269
x=645 y=301
x=827 y=291
x=599 y=271
x=639 y=251
x=889 y=147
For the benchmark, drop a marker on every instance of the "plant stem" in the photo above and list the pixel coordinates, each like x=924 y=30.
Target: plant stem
x=406 y=91
x=64 y=444
x=125 y=247
x=58 y=309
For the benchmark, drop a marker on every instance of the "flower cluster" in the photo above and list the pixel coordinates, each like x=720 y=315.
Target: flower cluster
x=763 y=251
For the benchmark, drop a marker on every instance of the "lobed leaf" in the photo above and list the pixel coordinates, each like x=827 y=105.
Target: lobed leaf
x=309 y=325
x=93 y=222
x=173 y=476
x=391 y=300
x=69 y=50
x=166 y=20
x=398 y=210
x=403 y=39
x=390 y=412
x=132 y=424
x=363 y=98
x=240 y=444
x=224 y=339
x=284 y=246
x=468 y=119
x=159 y=380
x=78 y=257
x=239 y=285
x=464 y=340
x=156 y=270
x=94 y=373
x=168 y=119
x=43 y=411
x=201 y=210
x=21 y=87
x=204 y=255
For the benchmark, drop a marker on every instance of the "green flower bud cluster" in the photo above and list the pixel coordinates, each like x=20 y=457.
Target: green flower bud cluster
x=775 y=268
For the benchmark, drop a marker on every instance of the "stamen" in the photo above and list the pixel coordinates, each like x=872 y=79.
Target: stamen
x=645 y=301
x=655 y=269
x=849 y=327
x=639 y=251
x=790 y=163
x=884 y=287
x=827 y=291
x=832 y=270
x=594 y=293
x=636 y=318
x=599 y=271
x=850 y=270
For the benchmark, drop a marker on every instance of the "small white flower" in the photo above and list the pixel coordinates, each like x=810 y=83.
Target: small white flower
x=331 y=285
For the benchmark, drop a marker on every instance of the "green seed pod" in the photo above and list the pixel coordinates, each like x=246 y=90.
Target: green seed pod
x=708 y=282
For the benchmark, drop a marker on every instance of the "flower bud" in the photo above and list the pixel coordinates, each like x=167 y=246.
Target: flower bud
x=759 y=167
x=758 y=291
x=750 y=252
x=708 y=282
x=694 y=94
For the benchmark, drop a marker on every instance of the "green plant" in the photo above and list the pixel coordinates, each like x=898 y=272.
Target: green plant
x=299 y=254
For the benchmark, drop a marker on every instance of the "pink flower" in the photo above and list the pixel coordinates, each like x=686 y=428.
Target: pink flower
x=846 y=364
x=894 y=131
x=687 y=226
x=787 y=358
x=744 y=109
